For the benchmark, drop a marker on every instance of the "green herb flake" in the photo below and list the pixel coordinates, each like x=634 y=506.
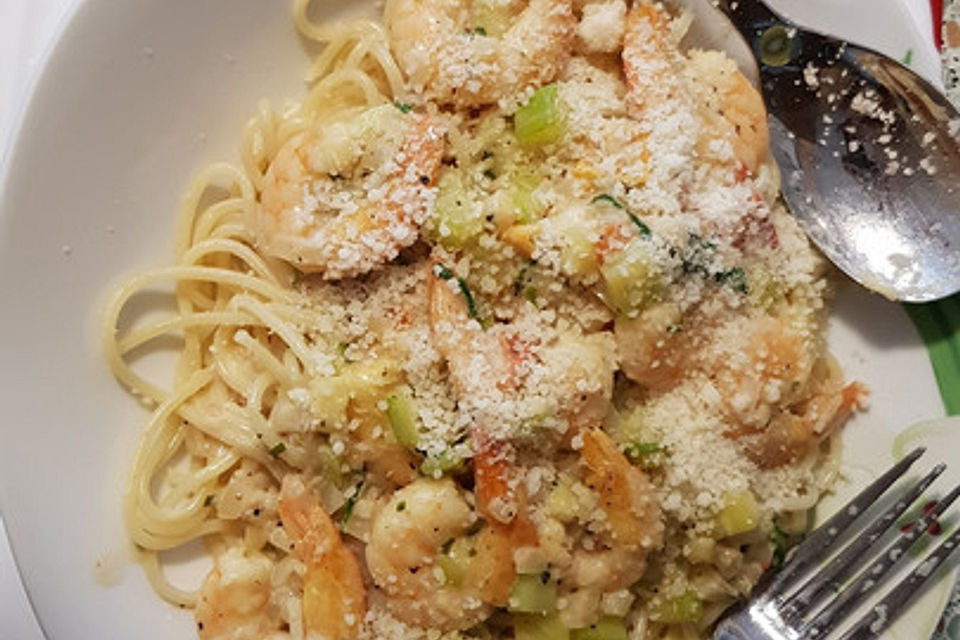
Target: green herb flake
x=616 y=204
x=736 y=278
x=480 y=31
x=401 y=506
x=609 y=199
x=779 y=541
x=402 y=106
x=644 y=229
x=489 y=174
x=908 y=57
x=208 y=500
x=277 y=449
x=639 y=450
x=445 y=274
x=350 y=504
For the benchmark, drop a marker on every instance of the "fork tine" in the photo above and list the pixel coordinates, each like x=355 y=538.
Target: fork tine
x=810 y=550
x=870 y=579
x=829 y=576
x=886 y=611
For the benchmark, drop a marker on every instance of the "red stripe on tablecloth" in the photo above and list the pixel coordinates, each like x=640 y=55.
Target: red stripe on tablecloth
x=936 y=10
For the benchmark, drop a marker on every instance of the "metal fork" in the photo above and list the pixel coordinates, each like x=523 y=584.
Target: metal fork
x=800 y=602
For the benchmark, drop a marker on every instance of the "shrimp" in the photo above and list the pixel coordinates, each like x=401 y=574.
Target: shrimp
x=406 y=540
x=343 y=198
x=650 y=68
x=633 y=523
x=234 y=596
x=334 y=598
x=504 y=381
x=627 y=497
x=731 y=108
x=474 y=52
x=794 y=432
x=652 y=352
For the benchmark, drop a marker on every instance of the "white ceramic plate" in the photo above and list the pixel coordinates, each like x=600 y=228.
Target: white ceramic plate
x=137 y=96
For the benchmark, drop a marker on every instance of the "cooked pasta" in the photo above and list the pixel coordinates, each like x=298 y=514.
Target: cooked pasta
x=500 y=332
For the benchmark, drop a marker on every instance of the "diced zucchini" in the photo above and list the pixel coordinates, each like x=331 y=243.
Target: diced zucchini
x=403 y=419
x=765 y=289
x=489 y=18
x=526 y=205
x=537 y=627
x=562 y=503
x=454 y=561
x=740 y=513
x=457 y=218
x=533 y=594
x=632 y=280
x=578 y=257
x=608 y=628
x=685 y=608
x=437 y=465
x=541 y=120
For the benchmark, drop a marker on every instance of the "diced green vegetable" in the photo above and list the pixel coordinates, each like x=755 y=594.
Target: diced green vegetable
x=403 y=419
x=685 y=608
x=562 y=503
x=578 y=256
x=765 y=289
x=608 y=628
x=633 y=281
x=528 y=207
x=436 y=465
x=541 y=120
x=454 y=561
x=457 y=218
x=489 y=18
x=537 y=627
x=402 y=106
x=277 y=449
x=740 y=513
x=533 y=594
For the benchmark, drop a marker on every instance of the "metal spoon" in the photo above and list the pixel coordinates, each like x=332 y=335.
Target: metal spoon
x=868 y=152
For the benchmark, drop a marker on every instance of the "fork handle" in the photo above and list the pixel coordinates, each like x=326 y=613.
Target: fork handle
x=738 y=627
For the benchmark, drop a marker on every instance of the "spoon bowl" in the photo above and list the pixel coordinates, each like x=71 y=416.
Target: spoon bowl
x=868 y=153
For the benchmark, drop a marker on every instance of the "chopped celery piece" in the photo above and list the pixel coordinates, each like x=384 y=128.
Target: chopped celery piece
x=536 y=627
x=533 y=594
x=578 y=257
x=633 y=282
x=685 y=608
x=454 y=561
x=562 y=503
x=457 y=219
x=528 y=207
x=740 y=513
x=403 y=420
x=435 y=466
x=540 y=121
x=608 y=628
x=489 y=18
